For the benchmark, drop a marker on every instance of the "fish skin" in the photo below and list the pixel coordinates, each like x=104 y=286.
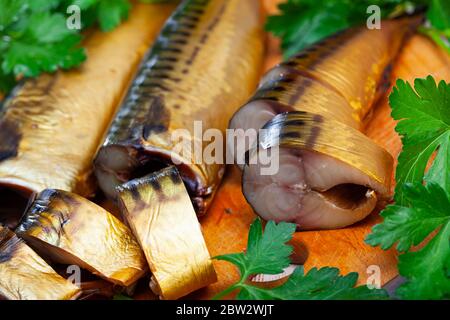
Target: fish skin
x=159 y=211
x=186 y=78
x=317 y=101
x=52 y=126
x=69 y=229
x=26 y=276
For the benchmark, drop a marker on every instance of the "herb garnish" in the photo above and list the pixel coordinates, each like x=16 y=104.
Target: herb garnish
x=301 y=23
x=268 y=253
x=34 y=37
x=422 y=208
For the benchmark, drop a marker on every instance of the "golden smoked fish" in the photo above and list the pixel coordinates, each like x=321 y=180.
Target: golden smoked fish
x=52 y=126
x=205 y=64
x=328 y=174
x=69 y=229
x=26 y=276
x=161 y=215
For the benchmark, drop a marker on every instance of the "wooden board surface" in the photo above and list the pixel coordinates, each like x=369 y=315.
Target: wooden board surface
x=226 y=225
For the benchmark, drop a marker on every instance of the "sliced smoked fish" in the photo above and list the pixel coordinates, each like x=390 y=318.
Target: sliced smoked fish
x=52 y=126
x=26 y=276
x=311 y=109
x=69 y=229
x=205 y=64
x=161 y=215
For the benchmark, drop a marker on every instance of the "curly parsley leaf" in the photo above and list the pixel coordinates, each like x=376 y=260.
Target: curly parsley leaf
x=424 y=114
x=268 y=253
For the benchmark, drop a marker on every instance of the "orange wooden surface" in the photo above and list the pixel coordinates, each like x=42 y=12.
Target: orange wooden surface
x=226 y=225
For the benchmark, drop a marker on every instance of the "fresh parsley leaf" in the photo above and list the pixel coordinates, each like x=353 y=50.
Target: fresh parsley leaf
x=318 y=284
x=427 y=209
x=7 y=82
x=438 y=27
x=43 y=5
x=112 y=13
x=268 y=253
x=302 y=23
x=45 y=27
x=35 y=39
x=439 y=14
x=427 y=270
x=32 y=58
x=424 y=114
x=422 y=211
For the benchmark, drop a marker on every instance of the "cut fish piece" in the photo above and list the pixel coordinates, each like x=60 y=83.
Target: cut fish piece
x=70 y=229
x=311 y=188
x=26 y=276
x=160 y=213
x=204 y=66
x=311 y=107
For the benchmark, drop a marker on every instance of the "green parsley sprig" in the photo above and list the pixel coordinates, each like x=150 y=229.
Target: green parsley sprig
x=302 y=23
x=422 y=208
x=268 y=253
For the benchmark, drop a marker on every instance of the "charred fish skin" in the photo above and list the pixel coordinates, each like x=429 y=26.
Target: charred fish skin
x=26 y=276
x=51 y=126
x=69 y=229
x=184 y=79
x=160 y=213
x=312 y=108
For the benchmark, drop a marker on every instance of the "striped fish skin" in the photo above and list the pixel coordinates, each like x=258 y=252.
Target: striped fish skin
x=205 y=64
x=51 y=127
x=69 y=229
x=159 y=211
x=26 y=276
x=313 y=107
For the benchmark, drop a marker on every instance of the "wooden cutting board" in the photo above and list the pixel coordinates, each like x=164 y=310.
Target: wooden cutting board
x=226 y=225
